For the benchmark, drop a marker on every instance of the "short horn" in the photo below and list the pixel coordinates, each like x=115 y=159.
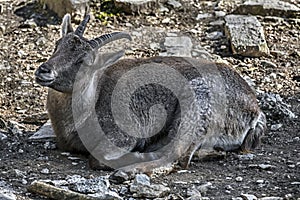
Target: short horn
x=107 y=38
x=81 y=28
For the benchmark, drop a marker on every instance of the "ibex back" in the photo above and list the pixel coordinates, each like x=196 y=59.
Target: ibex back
x=203 y=105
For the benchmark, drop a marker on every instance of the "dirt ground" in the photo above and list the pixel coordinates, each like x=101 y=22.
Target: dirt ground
x=273 y=169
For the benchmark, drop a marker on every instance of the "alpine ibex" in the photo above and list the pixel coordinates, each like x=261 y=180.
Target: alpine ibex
x=214 y=109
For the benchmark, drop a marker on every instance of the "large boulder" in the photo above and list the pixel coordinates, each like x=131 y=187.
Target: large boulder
x=246 y=36
x=269 y=8
x=61 y=7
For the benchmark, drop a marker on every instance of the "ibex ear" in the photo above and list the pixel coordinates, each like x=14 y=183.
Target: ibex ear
x=107 y=59
x=66 y=26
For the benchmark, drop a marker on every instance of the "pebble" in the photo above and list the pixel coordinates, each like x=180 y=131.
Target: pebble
x=248 y=196
x=142 y=179
x=228 y=187
x=260 y=181
x=202 y=16
x=220 y=13
x=266 y=166
x=239 y=179
x=45 y=171
x=271 y=198
x=149 y=191
x=193 y=194
x=3 y=136
x=73 y=158
x=275 y=127
x=204 y=187
x=214 y=35
x=174 y=4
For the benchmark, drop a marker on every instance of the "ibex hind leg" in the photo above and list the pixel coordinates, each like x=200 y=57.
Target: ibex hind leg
x=253 y=136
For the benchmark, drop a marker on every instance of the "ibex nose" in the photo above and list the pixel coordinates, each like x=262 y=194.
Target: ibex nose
x=44 y=74
x=44 y=68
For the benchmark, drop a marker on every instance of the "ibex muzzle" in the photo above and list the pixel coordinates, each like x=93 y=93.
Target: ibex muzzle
x=182 y=104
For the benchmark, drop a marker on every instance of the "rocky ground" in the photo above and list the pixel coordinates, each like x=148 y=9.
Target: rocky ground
x=27 y=36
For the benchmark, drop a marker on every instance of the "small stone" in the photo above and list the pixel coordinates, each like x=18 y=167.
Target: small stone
x=177 y=46
x=3 y=136
x=260 y=181
x=174 y=4
x=204 y=187
x=45 y=171
x=291 y=166
x=295 y=183
x=202 y=16
x=29 y=23
x=271 y=198
x=142 y=179
x=220 y=13
x=41 y=41
x=267 y=63
x=166 y=20
x=228 y=187
x=219 y=23
x=266 y=166
x=73 y=158
x=275 y=127
x=193 y=194
x=49 y=145
x=249 y=196
x=237 y=198
x=239 y=179
x=154 y=46
x=149 y=191
x=214 y=35
x=119 y=176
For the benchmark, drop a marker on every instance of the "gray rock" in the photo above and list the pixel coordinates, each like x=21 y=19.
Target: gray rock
x=248 y=196
x=177 y=46
x=220 y=13
x=204 y=187
x=239 y=179
x=7 y=196
x=6 y=192
x=275 y=127
x=214 y=35
x=142 y=188
x=62 y=7
x=4 y=65
x=3 y=136
x=175 y=4
x=45 y=132
x=248 y=156
x=269 y=8
x=246 y=35
x=137 y=6
x=271 y=198
x=193 y=194
x=274 y=107
x=142 y=179
x=203 y=16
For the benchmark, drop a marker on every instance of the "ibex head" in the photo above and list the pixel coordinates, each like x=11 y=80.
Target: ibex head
x=71 y=52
